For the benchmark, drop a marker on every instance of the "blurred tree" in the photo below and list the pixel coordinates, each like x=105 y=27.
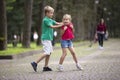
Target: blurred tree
x=82 y=11
x=110 y=11
x=27 y=24
x=15 y=17
x=41 y=15
x=3 y=25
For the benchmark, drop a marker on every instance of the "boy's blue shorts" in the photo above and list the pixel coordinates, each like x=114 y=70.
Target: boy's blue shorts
x=66 y=43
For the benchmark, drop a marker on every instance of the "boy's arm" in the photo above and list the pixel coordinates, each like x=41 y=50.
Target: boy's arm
x=57 y=23
x=57 y=26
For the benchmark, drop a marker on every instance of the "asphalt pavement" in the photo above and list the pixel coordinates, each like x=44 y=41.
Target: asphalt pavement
x=99 y=65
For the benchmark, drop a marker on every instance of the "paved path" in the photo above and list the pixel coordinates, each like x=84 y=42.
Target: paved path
x=100 y=65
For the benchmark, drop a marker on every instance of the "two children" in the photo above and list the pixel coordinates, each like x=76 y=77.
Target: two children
x=47 y=36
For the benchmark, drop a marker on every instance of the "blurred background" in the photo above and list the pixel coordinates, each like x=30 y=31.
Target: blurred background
x=21 y=19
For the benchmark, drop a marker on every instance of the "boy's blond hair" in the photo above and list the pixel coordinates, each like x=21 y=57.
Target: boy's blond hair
x=48 y=9
x=67 y=16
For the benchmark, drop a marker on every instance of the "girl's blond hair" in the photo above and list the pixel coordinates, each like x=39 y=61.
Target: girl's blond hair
x=67 y=16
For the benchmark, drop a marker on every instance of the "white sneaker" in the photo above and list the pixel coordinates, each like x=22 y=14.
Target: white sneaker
x=60 y=68
x=100 y=47
x=79 y=67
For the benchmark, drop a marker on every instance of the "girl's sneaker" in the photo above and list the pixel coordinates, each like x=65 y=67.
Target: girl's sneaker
x=60 y=68
x=79 y=66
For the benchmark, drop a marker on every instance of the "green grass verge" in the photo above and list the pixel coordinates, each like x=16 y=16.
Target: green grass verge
x=19 y=49
x=79 y=48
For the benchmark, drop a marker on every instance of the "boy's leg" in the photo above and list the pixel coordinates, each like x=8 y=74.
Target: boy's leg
x=47 y=60
x=46 y=68
x=41 y=58
x=34 y=64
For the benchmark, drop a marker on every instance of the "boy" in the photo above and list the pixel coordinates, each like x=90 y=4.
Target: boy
x=47 y=36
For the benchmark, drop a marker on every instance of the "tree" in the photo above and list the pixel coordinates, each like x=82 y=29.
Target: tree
x=28 y=22
x=3 y=25
x=41 y=15
x=15 y=18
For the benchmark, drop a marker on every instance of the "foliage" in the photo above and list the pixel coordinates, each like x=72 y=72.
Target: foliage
x=82 y=11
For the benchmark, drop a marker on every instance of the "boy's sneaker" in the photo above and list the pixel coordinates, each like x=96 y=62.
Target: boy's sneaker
x=60 y=68
x=34 y=65
x=47 y=69
x=79 y=67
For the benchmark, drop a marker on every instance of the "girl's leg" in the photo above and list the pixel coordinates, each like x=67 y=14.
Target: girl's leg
x=64 y=53
x=99 y=39
x=102 y=37
x=72 y=51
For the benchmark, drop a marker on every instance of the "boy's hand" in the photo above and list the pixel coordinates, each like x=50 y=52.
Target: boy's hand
x=61 y=24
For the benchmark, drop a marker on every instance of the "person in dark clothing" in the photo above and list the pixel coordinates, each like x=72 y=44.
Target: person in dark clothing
x=100 y=31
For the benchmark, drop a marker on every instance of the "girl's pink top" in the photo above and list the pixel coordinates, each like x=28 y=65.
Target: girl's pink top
x=68 y=33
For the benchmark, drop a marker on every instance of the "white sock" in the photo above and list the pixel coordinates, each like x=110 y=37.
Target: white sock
x=60 y=65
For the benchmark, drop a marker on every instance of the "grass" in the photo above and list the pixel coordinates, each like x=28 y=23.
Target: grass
x=79 y=48
x=19 y=49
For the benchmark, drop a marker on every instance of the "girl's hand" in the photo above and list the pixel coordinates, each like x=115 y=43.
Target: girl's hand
x=71 y=26
x=65 y=27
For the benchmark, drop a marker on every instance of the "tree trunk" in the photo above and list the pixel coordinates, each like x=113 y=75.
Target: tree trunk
x=41 y=15
x=27 y=23
x=3 y=26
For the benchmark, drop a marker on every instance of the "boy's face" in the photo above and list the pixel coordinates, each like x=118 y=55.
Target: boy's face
x=50 y=14
x=66 y=21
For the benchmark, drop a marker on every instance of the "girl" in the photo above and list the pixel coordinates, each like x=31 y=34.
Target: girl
x=100 y=31
x=66 y=41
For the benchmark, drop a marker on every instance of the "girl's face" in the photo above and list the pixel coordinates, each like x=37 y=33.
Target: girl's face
x=66 y=21
x=50 y=14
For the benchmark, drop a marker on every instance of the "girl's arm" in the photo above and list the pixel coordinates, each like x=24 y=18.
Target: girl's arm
x=72 y=27
x=63 y=30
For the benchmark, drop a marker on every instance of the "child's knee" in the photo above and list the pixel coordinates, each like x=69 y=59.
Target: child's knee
x=73 y=53
x=64 y=54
